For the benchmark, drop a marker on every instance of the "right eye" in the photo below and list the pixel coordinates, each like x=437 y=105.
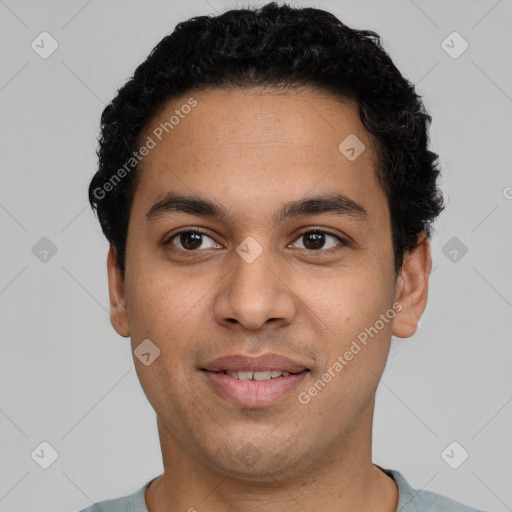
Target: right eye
x=190 y=240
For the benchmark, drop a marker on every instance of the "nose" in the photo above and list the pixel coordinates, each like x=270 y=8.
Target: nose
x=254 y=295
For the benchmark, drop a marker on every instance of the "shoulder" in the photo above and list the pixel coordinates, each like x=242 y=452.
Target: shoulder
x=412 y=500
x=131 y=503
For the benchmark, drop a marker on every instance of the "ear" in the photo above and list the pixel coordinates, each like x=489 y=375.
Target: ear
x=412 y=288
x=118 y=311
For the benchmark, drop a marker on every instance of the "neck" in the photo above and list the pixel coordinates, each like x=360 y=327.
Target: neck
x=342 y=479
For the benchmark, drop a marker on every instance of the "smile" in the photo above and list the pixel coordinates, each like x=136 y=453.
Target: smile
x=266 y=375
x=251 y=392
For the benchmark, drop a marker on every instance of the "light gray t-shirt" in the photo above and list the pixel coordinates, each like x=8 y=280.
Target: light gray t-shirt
x=410 y=500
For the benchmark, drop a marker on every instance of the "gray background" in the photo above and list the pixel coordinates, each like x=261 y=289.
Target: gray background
x=67 y=378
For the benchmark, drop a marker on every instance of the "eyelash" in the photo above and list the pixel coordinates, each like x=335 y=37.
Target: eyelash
x=306 y=232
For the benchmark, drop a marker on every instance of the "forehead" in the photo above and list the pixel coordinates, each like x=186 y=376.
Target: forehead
x=302 y=120
x=251 y=146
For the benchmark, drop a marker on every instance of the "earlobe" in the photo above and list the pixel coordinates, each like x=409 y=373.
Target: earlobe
x=412 y=288
x=118 y=311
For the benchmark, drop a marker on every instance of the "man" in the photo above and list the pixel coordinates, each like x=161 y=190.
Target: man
x=267 y=190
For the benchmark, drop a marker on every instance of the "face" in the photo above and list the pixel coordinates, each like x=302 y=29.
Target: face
x=258 y=255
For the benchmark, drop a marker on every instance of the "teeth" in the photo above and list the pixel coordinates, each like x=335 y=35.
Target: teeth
x=261 y=375
x=266 y=375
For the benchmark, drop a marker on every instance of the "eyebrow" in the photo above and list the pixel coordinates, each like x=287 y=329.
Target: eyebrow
x=327 y=203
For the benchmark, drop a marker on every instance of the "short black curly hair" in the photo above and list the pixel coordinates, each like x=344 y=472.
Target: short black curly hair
x=283 y=47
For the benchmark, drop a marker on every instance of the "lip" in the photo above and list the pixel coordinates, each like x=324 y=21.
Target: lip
x=265 y=362
x=252 y=393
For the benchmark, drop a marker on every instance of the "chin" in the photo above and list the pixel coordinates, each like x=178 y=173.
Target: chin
x=256 y=460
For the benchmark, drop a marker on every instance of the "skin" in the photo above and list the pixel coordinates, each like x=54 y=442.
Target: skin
x=252 y=152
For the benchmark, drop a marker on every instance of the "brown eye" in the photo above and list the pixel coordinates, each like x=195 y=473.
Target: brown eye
x=316 y=240
x=191 y=240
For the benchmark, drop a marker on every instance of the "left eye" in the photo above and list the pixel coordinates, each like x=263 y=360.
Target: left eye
x=191 y=240
x=315 y=240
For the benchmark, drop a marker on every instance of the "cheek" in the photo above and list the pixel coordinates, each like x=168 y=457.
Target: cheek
x=163 y=313
x=163 y=303
x=352 y=306
x=173 y=312
x=352 y=299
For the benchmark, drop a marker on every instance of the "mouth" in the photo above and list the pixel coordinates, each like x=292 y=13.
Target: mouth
x=257 y=376
x=254 y=381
